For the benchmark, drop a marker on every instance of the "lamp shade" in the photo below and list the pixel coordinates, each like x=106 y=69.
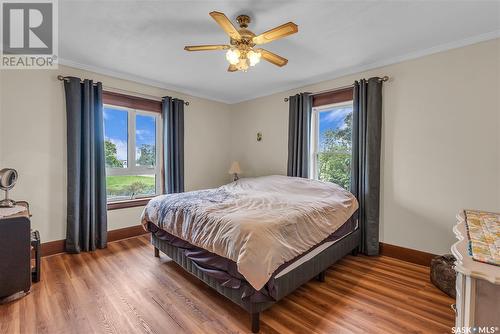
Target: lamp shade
x=235 y=168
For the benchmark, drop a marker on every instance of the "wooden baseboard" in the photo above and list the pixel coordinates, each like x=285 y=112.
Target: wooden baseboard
x=51 y=247
x=397 y=252
x=406 y=254
x=124 y=233
x=57 y=246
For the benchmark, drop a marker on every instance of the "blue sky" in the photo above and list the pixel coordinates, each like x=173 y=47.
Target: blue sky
x=145 y=130
x=332 y=119
x=115 y=130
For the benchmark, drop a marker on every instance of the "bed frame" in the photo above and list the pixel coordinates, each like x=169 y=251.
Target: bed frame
x=313 y=268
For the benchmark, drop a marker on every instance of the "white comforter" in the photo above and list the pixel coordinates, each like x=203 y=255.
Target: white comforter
x=260 y=223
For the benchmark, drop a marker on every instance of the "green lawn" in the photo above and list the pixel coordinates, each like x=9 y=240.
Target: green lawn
x=130 y=185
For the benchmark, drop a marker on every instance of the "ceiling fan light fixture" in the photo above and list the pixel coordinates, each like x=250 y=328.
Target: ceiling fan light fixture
x=242 y=64
x=241 y=53
x=233 y=56
x=253 y=57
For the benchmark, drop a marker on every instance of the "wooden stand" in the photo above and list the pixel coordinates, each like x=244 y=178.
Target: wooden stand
x=35 y=244
x=478 y=285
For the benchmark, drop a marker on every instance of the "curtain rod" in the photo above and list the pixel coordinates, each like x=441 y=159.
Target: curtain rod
x=63 y=78
x=382 y=79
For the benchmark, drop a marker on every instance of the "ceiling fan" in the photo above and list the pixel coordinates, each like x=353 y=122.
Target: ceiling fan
x=241 y=52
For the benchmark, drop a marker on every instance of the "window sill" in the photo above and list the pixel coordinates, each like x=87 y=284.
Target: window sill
x=128 y=203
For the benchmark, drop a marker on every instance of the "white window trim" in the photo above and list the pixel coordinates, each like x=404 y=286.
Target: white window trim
x=131 y=168
x=314 y=143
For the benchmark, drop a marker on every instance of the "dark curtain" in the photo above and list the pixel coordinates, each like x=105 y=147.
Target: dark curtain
x=173 y=144
x=86 y=211
x=365 y=175
x=299 y=129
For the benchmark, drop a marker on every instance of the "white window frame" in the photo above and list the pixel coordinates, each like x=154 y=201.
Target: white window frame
x=314 y=142
x=131 y=168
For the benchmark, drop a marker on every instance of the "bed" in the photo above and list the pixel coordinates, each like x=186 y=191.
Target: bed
x=256 y=240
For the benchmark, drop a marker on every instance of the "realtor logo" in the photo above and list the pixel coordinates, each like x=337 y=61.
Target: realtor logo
x=29 y=34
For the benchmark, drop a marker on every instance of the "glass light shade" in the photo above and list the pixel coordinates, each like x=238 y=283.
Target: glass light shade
x=253 y=57
x=242 y=65
x=233 y=56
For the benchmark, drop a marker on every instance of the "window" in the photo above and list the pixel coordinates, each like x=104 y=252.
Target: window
x=132 y=152
x=331 y=143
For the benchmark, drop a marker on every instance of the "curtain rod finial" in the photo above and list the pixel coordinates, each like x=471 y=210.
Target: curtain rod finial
x=384 y=78
x=60 y=77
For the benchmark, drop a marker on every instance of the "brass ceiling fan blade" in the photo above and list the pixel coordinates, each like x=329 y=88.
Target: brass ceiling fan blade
x=273 y=58
x=225 y=24
x=276 y=33
x=232 y=68
x=206 y=47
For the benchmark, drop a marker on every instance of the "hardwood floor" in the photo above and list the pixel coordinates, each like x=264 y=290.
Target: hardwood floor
x=125 y=289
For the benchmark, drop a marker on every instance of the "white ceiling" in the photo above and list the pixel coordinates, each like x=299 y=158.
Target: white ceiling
x=144 y=40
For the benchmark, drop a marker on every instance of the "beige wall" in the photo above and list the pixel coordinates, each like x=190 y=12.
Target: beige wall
x=33 y=140
x=441 y=142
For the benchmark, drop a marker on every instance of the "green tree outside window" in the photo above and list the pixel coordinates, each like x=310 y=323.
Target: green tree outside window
x=110 y=154
x=334 y=159
x=146 y=155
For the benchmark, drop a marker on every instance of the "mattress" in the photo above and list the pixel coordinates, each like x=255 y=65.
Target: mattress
x=346 y=229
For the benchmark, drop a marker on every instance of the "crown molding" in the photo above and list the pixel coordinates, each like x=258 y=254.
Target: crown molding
x=135 y=78
x=316 y=80
x=386 y=62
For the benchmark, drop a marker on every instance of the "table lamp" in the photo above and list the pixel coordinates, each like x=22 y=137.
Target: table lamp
x=235 y=170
